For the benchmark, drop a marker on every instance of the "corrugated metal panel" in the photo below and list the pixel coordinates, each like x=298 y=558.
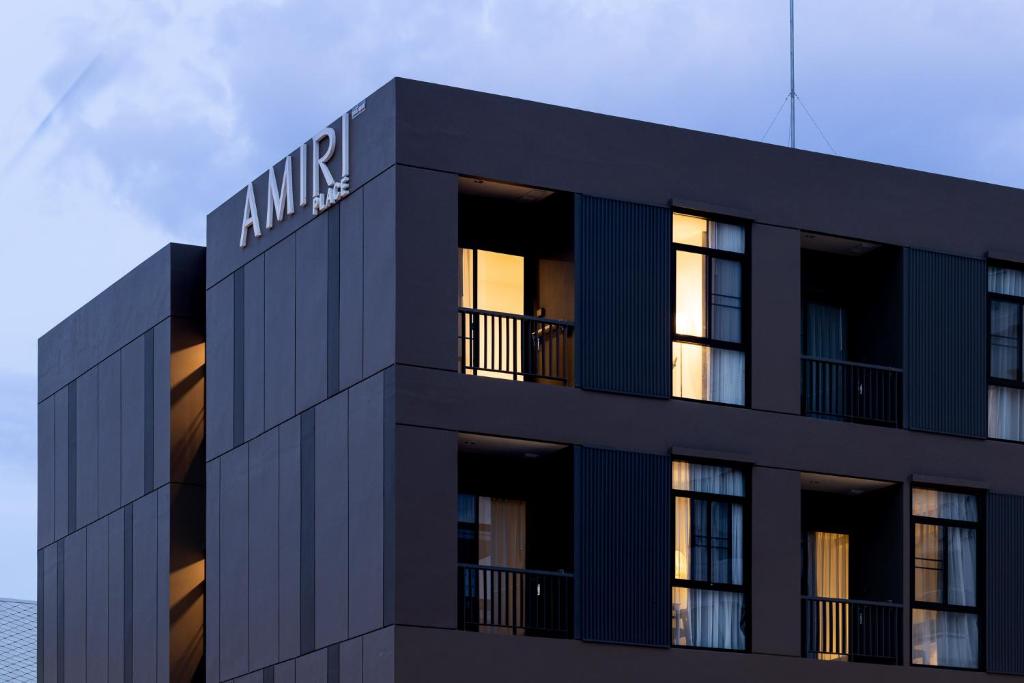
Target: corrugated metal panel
x=1005 y=587
x=623 y=297
x=945 y=335
x=623 y=547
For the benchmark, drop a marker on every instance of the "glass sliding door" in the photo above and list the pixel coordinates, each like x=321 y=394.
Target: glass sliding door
x=492 y=284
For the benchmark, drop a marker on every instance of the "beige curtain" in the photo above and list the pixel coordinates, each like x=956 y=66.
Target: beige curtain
x=829 y=576
x=502 y=534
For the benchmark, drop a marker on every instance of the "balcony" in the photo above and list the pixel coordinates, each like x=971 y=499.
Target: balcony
x=854 y=392
x=851 y=630
x=851 y=609
x=518 y=347
x=516 y=282
x=515 y=537
x=515 y=601
x=851 y=335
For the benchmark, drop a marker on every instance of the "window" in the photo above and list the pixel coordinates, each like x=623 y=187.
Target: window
x=709 y=599
x=946 y=596
x=709 y=323
x=1005 y=379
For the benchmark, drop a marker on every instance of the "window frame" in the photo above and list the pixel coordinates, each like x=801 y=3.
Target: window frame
x=979 y=570
x=1017 y=383
x=693 y=584
x=745 y=291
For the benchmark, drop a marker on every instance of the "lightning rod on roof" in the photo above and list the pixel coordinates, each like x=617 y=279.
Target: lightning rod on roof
x=792 y=81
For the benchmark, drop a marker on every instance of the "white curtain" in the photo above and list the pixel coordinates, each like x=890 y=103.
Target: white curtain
x=1004 y=413
x=690 y=476
x=961 y=507
x=727 y=237
x=962 y=574
x=1006 y=281
x=727 y=379
x=737 y=544
x=726 y=300
x=945 y=639
x=703 y=618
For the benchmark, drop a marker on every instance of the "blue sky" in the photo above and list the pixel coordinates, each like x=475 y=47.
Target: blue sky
x=124 y=123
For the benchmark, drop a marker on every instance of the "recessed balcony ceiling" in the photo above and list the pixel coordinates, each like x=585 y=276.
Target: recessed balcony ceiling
x=492 y=188
x=847 y=486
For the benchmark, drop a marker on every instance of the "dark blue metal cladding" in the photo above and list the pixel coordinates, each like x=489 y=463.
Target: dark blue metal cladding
x=623 y=297
x=622 y=547
x=944 y=340
x=1005 y=586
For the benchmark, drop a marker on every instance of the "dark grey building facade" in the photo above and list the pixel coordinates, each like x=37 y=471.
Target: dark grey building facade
x=472 y=388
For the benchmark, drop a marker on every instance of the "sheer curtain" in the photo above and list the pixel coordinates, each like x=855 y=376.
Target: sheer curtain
x=825 y=332
x=727 y=379
x=828 y=576
x=1005 y=409
x=708 y=618
x=715 y=619
x=945 y=638
x=942 y=638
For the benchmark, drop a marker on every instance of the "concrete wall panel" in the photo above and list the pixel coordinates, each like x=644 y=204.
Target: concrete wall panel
x=311 y=313
x=255 y=349
x=331 y=521
x=280 y=332
x=109 y=435
x=234 y=563
x=263 y=550
x=220 y=383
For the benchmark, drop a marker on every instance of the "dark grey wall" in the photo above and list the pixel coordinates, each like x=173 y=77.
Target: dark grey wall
x=295 y=534
x=460 y=131
x=270 y=329
x=775 y=562
x=946 y=325
x=460 y=657
x=623 y=299
x=775 y=319
x=121 y=422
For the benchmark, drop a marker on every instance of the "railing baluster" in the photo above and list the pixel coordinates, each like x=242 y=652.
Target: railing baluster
x=837 y=628
x=851 y=391
x=520 y=346
x=515 y=601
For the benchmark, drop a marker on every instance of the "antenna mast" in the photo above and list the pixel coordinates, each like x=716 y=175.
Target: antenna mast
x=792 y=81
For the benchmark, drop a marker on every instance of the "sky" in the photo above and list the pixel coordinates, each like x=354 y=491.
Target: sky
x=124 y=123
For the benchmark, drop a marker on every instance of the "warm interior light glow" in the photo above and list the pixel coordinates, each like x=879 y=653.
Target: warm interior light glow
x=499 y=282
x=691 y=230
x=832 y=580
x=690 y=279
x=682 y=554
x=689 y=370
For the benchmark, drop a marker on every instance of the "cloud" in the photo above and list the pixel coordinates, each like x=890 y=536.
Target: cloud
x=189 y=99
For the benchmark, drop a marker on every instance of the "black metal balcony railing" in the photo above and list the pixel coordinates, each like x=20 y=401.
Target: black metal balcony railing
x=857 y=392
x=857 y=630
x=520 y=346
x=515 y=601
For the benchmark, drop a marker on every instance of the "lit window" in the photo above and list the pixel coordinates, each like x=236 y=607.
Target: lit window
x=945 y=614
x=709 y=326
x=709 y=600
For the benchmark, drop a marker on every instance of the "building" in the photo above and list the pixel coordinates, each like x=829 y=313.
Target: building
x=17 y=640
x=494 y=390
